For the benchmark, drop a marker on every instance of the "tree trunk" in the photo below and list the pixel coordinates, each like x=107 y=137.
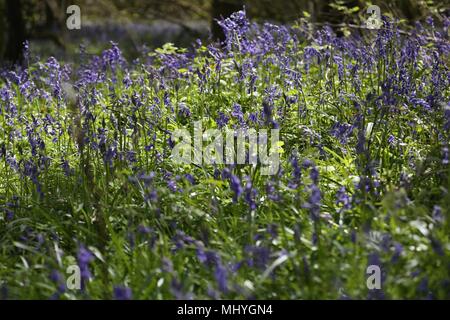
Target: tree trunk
x=16 y=31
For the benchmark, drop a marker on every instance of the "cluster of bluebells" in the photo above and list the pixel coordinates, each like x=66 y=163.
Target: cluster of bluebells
x=364 y=120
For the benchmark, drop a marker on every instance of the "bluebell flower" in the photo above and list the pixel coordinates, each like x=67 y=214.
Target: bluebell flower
x=343 y=198
x=167 y=265
x=235 y=27
x=172 y=185
x=271 y=191
x=353 y=236
x=342 y=131
x=184 y=111
x=250 y=194
x=222 y=120
x=176 y=288
x=253 y=117
x=221 y=276
x=314 y=175
x=314 y=202
x=296 y=173
x=235 y=185
x=131 y=156
x=445 y=155
x=258 y=257
x=9 y=214
x=190 y=178
x=272 y=229
x=420 y=102
x=122 y=293
x=237 y=113
x=84 y=257
x=143 y=229
x=398 y=249
x=437 y=214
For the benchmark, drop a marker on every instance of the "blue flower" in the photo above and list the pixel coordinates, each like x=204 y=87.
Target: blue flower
x=343 y=198
x=398 y=249
x=122 y=293
x=222 y=120
x=257 y=256
x=184 y=111
x=296 y=173
x=235 y=185
x=190 y=178
x=314 y=175
x=237 y=113
x=221 y=276
x=250 y=194
x=84 y=257
x=445 y=155
x=437 y=214
x=271 y=191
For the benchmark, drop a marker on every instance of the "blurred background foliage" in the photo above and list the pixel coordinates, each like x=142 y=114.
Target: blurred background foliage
x=135 y=23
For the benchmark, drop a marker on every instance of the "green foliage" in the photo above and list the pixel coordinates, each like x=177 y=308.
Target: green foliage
x=276 y=251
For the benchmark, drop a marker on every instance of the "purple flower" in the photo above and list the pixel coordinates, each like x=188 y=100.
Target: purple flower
x=307 y=163
x=437 y=214
x=398 y=249
x=56 y=277
x=183 y=111
x=113 y=56
x=171 y=143
x=143 y=229
x=361 y=143
x=190 y=178
x=222 y=120
x=353 y=236
x=296 y=173
x=250 y=194
x=445 y=155
x=235 y=27
x=272 y=193
x=257 y=256
x=167 y=265
x=84 y=257
x=151 y=196
x=221 y=276
x=343 y=198
x=308 y=55
x=122 y=293
x=177 y=290
x=9 y=214
x=272 y=229
x=391 y=139
x=420 y=102
x=314 y=175
x=374 y=259
x=342 y=131
x=253 y=117
x=237 y=113
x=314 y=202
x=172 y=185
x=127 y=82
x=235 y=185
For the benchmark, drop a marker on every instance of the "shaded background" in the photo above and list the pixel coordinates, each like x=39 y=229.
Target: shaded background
x=140 y=24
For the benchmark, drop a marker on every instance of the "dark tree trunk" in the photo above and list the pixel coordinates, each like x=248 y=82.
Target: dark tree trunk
x=16 y=31
x=222 y=9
